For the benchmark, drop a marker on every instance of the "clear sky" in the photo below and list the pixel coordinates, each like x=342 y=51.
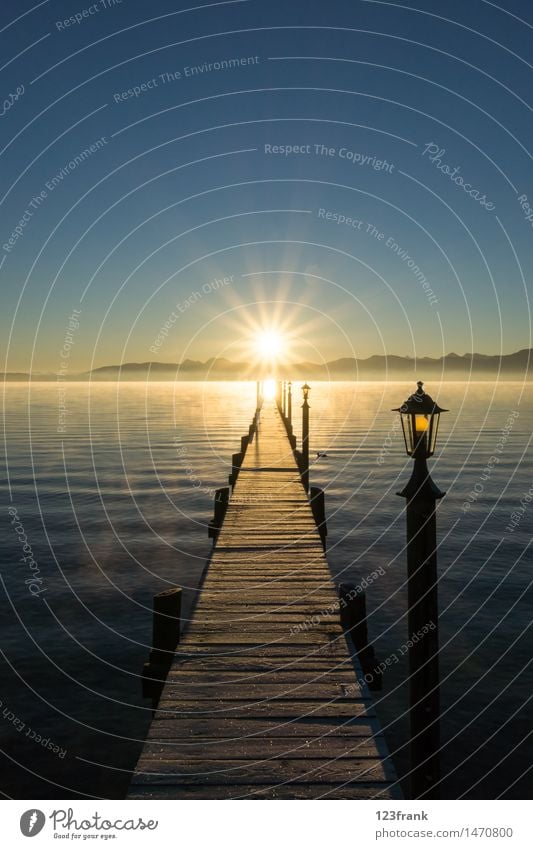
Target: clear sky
x=357 y=173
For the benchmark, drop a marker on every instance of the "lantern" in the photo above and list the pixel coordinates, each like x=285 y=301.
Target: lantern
x=420 y=416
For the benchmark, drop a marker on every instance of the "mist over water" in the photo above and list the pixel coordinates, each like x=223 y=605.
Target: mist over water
x=115 y=509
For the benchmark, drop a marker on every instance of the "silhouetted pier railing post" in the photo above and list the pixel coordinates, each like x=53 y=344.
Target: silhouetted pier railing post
x=353 y=617
x=165 y=639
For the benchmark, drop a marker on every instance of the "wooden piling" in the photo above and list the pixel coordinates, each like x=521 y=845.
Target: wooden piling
x=220 y=506
x=353 y=618
x=318 y=506
x=236 y=460
x=165 y=639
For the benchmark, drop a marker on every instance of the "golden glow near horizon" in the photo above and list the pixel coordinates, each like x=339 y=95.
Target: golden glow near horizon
x=269 y=389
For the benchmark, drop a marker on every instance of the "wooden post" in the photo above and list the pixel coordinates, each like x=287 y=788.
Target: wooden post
x=244 y=442
x=289 y=404
x=353 y=613
x=166 y=630
x=353 y=619
x=278 y=394
x=423 y=630
x=258 y=396
x=318 y=506
x=221 y=505
x=305 y=440
x=236 y=460
x=165 y=638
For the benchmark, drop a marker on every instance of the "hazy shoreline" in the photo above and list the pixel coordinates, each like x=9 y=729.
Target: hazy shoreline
x=454 y=367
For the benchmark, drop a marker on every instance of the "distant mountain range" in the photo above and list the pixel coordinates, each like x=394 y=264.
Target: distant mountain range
x=450 y=367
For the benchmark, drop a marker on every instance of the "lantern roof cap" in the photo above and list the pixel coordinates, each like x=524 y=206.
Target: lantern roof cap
x=420 y=402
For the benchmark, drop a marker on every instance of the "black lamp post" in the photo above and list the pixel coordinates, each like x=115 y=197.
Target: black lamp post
x=305 y=437
x=420 y=422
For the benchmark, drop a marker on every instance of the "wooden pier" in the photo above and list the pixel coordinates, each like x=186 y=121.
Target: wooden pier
x=262 y=699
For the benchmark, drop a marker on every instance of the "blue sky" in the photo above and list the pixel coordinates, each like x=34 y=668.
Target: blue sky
x=181 y=191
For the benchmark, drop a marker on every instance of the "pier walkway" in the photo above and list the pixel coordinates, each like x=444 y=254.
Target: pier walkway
x=262 y=700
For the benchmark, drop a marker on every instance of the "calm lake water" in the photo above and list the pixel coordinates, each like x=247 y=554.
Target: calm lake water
x=116 y=508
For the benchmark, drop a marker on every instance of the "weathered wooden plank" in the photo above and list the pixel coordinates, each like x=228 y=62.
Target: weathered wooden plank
x=281 y=650
x=274 y=708
x=253 y=692
x=221 y=748
x=264 y=578
x=289 y=629
x=286 y=790
x=246 y=608
x=317 y=638
x=318 y=596
x=212 y=771
x=263 y=664
x=237 y=728
x=259 y=614
x=217 y=678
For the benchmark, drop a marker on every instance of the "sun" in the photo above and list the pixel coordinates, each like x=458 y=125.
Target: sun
x=270 y=345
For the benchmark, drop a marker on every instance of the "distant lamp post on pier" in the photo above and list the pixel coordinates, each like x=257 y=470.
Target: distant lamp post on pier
x=420 y=417
x=305 y=437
